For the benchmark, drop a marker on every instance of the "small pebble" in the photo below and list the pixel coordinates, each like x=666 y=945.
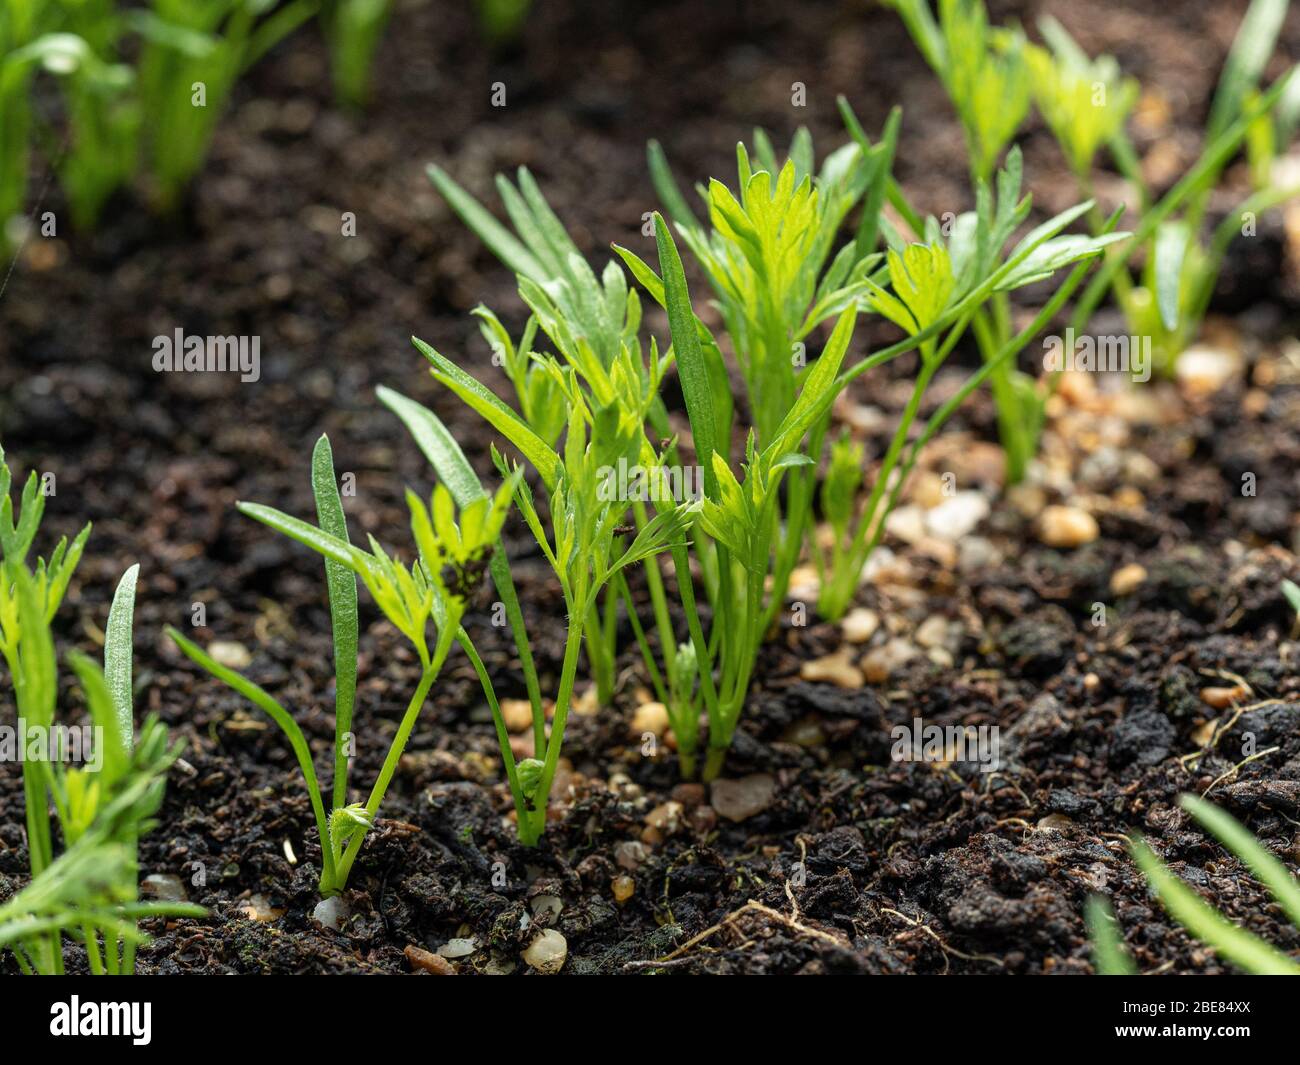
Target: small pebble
x=163 y=886
x=458 y=948
x=650 y=717
x=330 y=913
x=427 y=961
x=547 y=953
x=955 y=518
x=517 y=714
x=630 y=853
x=623 y=887
x=1202 y=370
x=859 y=625
x=975 y=554
x=806 y=732
x=666 y=817
x=259 y=908
x=1067 y=527
x=546 y=904
x=740 y=799
x=907 y=524
x=881 y=661
x=934 y=631
x=837 y=669
x=1127 y=579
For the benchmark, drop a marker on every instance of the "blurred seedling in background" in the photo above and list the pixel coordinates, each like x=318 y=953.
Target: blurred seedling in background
x=990 y=75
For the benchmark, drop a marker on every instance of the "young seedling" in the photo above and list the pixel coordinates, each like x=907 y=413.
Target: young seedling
x=982 y=68
x=769 y=257
x=1169 y=300
x=29 y=43
x=82 y=797
x=1234 y=944
x=1085 y=103
x=592 y=323
x=89 y=891
x=584 y=543
x=1291 y=591
x=453 y=552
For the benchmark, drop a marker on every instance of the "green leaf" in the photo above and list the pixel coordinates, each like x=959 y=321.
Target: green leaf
x=1249 y=55
x=691 y=367
x=102 y=703
x=118 y=652
x=542 y=457
x=305 y=533
x=1170 y=251
x=1292 y=592
x=454 y=471
x=1108 y=952
x=1050 y=255
x=670 y=194
x=819 y=388
x=341 y=583
x=1241 y=948
x=1232 y=834
x=437 y=444
x=498 y=239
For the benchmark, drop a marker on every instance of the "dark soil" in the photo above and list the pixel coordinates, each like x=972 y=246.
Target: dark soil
x=860 y=863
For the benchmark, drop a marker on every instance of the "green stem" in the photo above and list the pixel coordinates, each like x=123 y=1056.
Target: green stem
x=445 y=636
x=92 y=951
x=536 y=821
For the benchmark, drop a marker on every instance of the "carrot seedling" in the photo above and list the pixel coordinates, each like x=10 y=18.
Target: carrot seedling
x=107 y=799
x=452 y=556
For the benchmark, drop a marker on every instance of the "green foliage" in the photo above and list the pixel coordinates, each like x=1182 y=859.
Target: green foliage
x=948 y=283
x=453 y=545
x=1108 y=954
x=1083 y=101
x=769 y=255
x=983 y=69
x=141 y=87
x=107 y=800
x=989 y=74
x=353 y=29
x=1292 y=593
x=193 y=53
x=89 y=891
x=1231 y=942
x=502 y=21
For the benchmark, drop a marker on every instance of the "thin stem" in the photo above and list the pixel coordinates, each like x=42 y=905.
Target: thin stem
x=92 y=951
x=531 y=828
x=395 y=751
